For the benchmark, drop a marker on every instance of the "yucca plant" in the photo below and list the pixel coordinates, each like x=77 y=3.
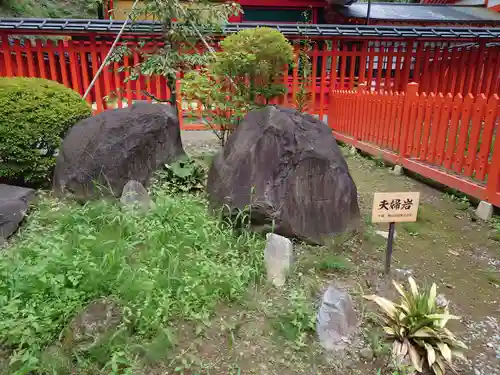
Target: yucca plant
x=417 y=328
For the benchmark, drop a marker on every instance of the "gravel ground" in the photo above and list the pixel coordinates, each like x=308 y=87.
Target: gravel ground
x=447 y=244
x=199 y=142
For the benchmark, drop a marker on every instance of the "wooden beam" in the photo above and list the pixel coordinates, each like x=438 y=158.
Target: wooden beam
x=283 y=3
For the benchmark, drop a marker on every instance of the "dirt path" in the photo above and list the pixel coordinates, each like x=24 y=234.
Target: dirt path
x=445 y=246
x=199 y=142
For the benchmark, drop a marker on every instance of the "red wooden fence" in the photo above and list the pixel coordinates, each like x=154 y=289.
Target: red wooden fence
x=451 y=139
x=454 y=140
x=337 y=63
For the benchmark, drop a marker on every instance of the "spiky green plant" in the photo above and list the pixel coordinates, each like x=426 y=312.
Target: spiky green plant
x=417 y=328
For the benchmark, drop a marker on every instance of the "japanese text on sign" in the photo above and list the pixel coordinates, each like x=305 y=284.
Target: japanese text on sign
x=395 y=207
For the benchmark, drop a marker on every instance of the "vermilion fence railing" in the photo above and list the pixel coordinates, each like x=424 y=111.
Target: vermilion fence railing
x=337 y=63
x=451 y=137
x=454 y=140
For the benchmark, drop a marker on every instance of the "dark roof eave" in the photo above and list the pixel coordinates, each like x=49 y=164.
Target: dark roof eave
x=143 y=28
x=440 y=22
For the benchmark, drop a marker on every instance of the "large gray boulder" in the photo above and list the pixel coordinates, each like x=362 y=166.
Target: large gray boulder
x=14 y=203
x=102 y=153
x=287 y=167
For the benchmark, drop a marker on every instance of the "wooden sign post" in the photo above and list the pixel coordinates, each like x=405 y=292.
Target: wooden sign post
x=394 y=208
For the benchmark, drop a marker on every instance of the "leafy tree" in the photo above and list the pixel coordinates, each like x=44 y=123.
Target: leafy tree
x=245 y=74
x=186 y=28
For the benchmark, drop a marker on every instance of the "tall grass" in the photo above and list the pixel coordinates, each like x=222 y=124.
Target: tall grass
x=176 y=263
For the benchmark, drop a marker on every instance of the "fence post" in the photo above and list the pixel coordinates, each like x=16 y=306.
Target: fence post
x=493 y=184
x=408 y=56
x=410 y=98
x=7 y=55
x=358 y=115
x=178 y=92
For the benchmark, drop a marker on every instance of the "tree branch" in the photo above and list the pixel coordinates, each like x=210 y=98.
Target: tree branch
x=151 y=96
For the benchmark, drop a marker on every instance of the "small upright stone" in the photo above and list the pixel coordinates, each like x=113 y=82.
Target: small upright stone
x=484 y=211
x=278 y=256
x=336 y=319
x=94 y=323
x=397 y=170
x=136 y=196
x=385 y=234
x=441 y=301
x=367 y=354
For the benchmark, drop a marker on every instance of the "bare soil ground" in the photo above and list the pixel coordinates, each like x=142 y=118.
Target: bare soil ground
x=446 y=245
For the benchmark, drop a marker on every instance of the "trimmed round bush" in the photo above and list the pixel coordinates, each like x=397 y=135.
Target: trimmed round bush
x=35 y=114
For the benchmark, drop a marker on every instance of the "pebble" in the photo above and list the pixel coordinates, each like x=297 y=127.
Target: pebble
x=404 y=272
x=486 y=329
x=366 y=354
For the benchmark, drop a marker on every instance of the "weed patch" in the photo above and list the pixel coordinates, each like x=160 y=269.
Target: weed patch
x=332 y=263
x=492 y=277
x=297 y=319
x=413 y=229
x=176 y=263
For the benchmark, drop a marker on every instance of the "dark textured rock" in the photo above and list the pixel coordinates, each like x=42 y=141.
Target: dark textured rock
x=288 y=167
x=92 y=325
x=102 y=153
x=14 y=203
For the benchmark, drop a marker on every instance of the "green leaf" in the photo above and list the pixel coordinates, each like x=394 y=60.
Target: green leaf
x=182 y=170
x=432 y=297
x=442 y=317
x=35 y=114
x=413 y=287
x=436 y=369
x=459 y=354
x=431 y=354
x=399 y=288
x=389 y=331
x=445 y=351
x=415 y=358
x=424 y=332
x=405 y=347
x=404 y=306
x=387 y=306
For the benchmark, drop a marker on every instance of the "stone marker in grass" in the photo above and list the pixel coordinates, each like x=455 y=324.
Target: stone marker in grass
x=336 y=319
x=135 y=196
x=278 y=256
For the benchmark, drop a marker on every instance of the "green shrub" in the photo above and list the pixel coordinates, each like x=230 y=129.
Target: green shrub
x=34 y=114
x=246 y=74
x=177 y=263
x=182 y=175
